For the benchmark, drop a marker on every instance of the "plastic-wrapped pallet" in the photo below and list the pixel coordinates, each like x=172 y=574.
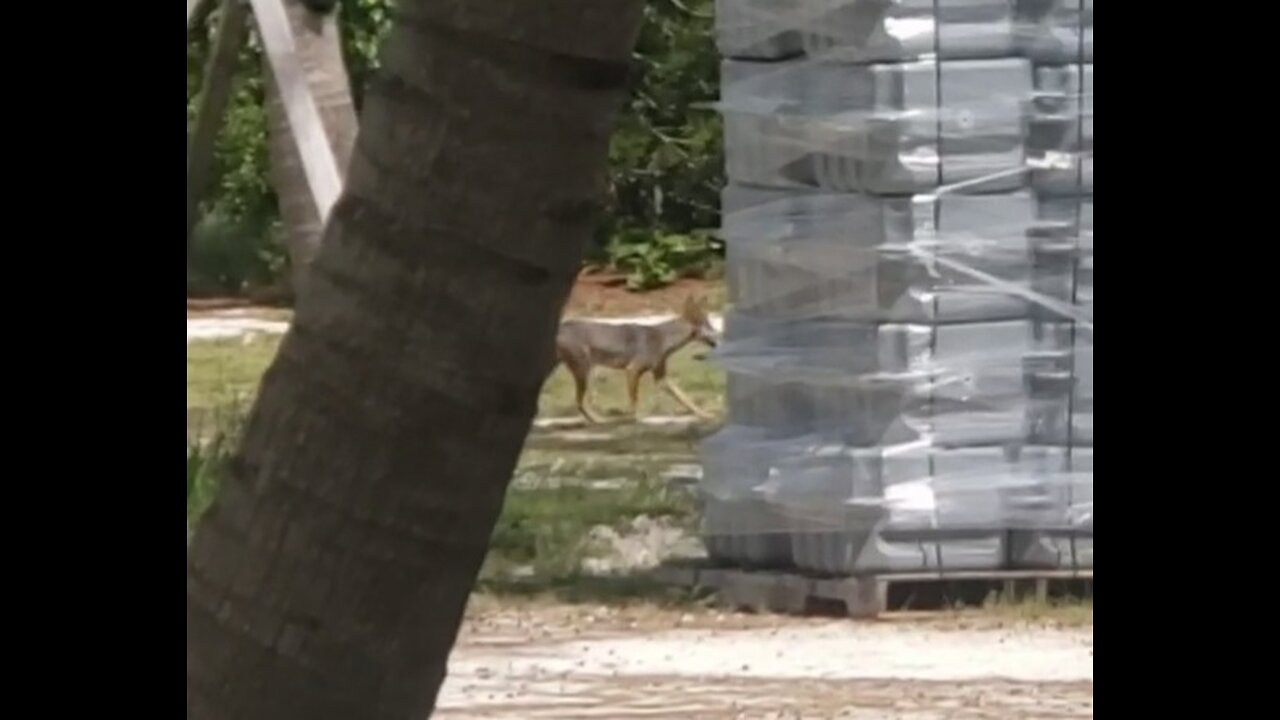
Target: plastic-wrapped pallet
x=888 y=128
x=758 y=29
x=1055 y=31
x=909 y=224
x=897 y=30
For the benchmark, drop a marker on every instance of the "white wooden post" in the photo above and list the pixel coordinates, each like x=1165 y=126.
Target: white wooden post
x=318 y=162
x=191 y=10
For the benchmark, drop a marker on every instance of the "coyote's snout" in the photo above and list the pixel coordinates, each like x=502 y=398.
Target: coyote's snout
x=633 y=348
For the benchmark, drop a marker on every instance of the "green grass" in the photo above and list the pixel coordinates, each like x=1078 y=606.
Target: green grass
x=544 y=530
x=552 y=506
x=557 y=497
x=541 y=540
x=224 y=373
x=541 y=536
x=1066 y=611
x=222 y=378
x=702 y=381
x=206 y=462
x=230 y=255
x=1069 y=606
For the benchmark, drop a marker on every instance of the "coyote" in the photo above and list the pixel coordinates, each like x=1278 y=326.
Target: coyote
x=634 y=349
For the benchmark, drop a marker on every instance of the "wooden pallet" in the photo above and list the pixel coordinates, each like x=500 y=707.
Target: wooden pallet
x=866 y=596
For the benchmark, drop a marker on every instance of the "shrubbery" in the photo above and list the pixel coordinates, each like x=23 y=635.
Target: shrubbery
x=664 y=161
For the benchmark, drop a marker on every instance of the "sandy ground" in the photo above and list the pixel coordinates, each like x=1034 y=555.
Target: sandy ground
x=229 y=324
x=233 y=323
x=603 y=663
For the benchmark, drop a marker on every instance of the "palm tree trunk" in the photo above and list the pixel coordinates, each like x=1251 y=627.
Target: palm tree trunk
x=320 y=53
x=328 y=580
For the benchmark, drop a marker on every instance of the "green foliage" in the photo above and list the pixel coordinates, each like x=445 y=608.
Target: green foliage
x=234 y=252
x=240 y=188
x=365 y=24
x=206 y=465
x=236 y=244
x=653 y=259
x=564 y=485
x=665 y=158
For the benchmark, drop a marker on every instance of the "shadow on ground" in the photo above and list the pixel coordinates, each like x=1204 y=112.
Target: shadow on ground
x=587 y=589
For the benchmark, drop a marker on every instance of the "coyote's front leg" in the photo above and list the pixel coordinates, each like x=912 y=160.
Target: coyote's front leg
x=660 y=375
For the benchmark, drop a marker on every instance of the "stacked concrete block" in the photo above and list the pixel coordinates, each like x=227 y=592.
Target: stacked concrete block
x=909 y=224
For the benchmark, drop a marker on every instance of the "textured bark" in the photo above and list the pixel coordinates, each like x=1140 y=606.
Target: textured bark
x=320 y=53
x=329 y=578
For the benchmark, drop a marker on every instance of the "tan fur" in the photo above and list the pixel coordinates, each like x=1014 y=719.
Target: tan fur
x=634 y=349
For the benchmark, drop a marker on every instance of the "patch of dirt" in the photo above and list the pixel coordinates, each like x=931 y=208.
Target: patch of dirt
x=599 y=294
x=218 y=310
x=596 y=294
x=245 y=324
x=595 y=662
x=569 y=698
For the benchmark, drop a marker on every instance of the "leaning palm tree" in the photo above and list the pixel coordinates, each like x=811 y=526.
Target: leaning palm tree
x=315 y=28
x=329 y=578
